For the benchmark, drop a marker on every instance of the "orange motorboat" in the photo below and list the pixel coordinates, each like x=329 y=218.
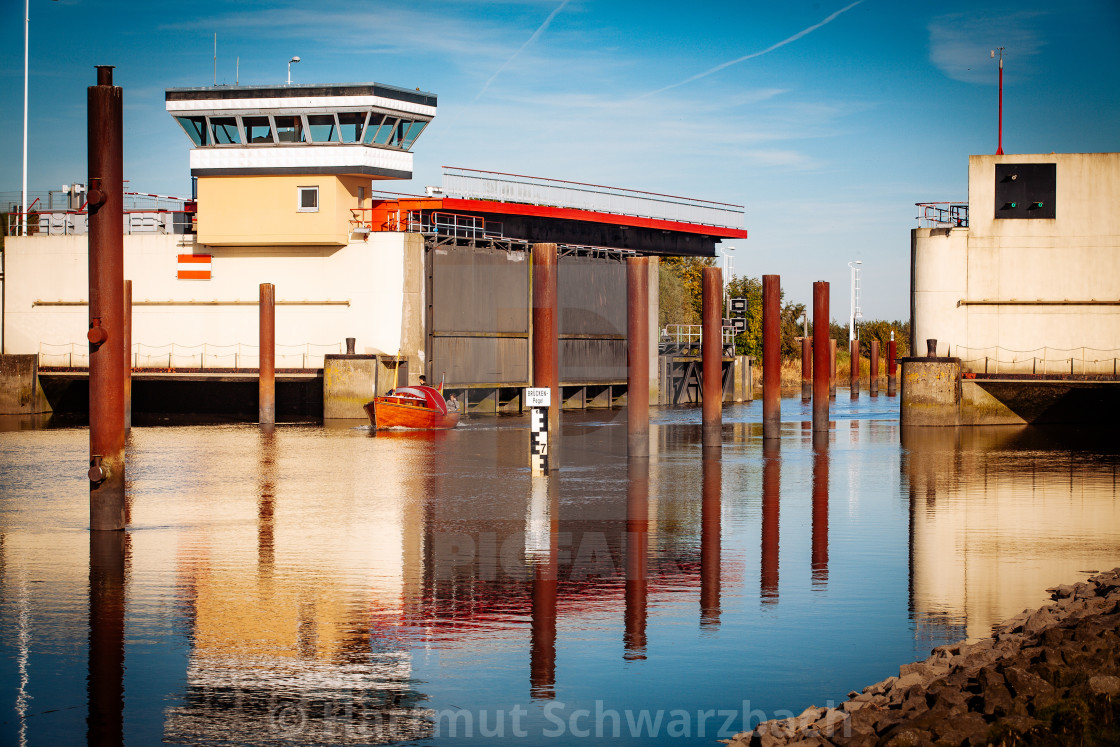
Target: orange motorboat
x=421 y=407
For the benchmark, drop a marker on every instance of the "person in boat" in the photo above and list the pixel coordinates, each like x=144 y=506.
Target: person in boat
x=452 y=403
x=423 y=380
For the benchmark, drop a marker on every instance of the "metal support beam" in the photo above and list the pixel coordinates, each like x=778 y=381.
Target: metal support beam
x=771 y=357
x=821 y=350
x=546 y=339
x=106 y=303
x=637 y=356
x=266 y=398
x=711 y=356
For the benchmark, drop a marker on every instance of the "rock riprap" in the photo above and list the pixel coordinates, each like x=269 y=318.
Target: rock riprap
x=1046 y=676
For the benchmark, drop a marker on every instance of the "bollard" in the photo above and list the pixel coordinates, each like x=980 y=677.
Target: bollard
x=637 y=554
x=266 y=378
x=637 y=356
x=106 y=303
x=806 y=369
x=819 y=556
x=821 y=351
x=853 y=368
x=546 y=340
x=931 y=348
x=771 y=511
x=711 y=489
x=771 y=357
x=351 y=345
x=711 y=353
x=892 y=368
x=873 y=384
x=127 y=356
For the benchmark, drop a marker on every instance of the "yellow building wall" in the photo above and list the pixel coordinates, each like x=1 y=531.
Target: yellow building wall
x=264 y=210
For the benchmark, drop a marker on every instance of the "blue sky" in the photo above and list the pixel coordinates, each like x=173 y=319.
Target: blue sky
x=827 y=120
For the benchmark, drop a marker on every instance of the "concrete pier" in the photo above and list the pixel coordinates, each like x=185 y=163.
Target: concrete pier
x=637 y=356
x=106 y=333
x=349 y=382
x=771 y=357
x=822 y=346
x=931 y=391
x=20 y=391
x=266 y=391
x=711 y=354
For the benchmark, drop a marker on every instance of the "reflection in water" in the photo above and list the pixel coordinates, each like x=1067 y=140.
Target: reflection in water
x=266 y=540
x=545 y=558
x=999 y=514
x=771 y=511
x=710 y=567
x=108 y=558
x=820 y=510
x=637 y=557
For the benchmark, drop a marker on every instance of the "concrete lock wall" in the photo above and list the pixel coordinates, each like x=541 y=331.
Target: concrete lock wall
x=20 y=393
x=1026 y=295
x=324 y=295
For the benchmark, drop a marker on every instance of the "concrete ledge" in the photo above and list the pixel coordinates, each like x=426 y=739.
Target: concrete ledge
x=20 y=393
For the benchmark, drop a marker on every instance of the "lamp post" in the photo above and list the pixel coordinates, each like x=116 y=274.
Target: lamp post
x=23 y=193
x=294 y=59
x=999 y=147
x=728 y=267
x=855 y=312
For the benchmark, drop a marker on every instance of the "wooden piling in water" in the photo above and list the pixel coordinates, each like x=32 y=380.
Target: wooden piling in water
x=711 y=354
x=822 y=347
x=637 y=356
x=266 y=390
x=106 y=303
x=771 y=357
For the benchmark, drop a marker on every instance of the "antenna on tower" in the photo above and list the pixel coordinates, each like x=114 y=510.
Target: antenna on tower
x=215 y=59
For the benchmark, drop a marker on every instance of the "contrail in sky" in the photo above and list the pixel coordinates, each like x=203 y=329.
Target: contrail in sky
x=771 y=48
x=529 y=41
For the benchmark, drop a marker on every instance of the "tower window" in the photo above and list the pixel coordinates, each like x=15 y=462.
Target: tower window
x=308 y=199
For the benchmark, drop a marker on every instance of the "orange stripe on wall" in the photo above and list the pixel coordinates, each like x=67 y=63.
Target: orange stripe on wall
x=194 y=259
x=194 y=274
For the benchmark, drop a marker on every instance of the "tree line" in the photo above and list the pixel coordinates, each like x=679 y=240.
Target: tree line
x=680 y=302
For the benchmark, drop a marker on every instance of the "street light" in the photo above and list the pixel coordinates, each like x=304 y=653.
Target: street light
x=294 y=59
x=855 y=310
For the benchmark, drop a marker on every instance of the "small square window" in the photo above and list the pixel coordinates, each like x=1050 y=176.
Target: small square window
x=308 y=200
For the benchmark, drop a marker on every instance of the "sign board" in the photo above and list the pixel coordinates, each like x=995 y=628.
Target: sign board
x=739 y=324
x=738 y=305
x=538 y=397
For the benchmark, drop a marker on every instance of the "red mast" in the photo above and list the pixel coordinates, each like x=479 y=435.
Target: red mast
x=999 y=148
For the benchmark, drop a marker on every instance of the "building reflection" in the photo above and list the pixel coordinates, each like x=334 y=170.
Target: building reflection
x=771 y=511
x=997 y=515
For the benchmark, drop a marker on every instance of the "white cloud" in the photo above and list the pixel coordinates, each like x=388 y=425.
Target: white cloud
x=960 y=44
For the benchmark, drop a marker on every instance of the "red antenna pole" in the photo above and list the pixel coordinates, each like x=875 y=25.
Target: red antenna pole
x=999 y=148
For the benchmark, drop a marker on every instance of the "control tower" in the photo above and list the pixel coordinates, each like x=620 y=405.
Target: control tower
x=286 y=165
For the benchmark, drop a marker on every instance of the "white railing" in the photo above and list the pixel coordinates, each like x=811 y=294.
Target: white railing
x=689 y=335
x=942 y=214
x=498 y=187
x=1043 y=360
x=201 y=357
x=76 y=223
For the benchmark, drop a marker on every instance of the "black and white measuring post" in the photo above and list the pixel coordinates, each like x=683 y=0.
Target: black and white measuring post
x=539 y=399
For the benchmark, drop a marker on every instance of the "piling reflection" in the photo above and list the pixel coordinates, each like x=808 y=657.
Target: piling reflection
x=266 y=539
x=997 y=514
x=108 y=561
x=771 y=511
x=637 y=559
x=542 y=549
x=819 y=562
x=710 y=530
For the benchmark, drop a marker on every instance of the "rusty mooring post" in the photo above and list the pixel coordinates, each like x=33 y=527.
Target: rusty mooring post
x=127 y=356
x=832 y=368
x=806 y=369
x=266 y=397
x=711 y=356
x=822 y=346
x=106 y=304
x=636 y=558
x=637 y=356
x=771 y=357
x=711 y=499
x=873 y=384
x=892 y=368
x=542 y=636
x=546 y=341
x=819 y=556
x=853 y=368
x=771 y=511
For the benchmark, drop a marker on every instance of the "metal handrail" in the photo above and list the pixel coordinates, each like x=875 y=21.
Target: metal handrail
x=943 y=214
x=201 y=357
